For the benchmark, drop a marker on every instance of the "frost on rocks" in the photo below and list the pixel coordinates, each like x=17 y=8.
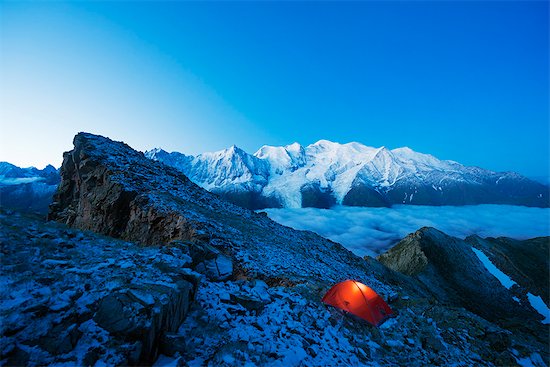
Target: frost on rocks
x=73 y=298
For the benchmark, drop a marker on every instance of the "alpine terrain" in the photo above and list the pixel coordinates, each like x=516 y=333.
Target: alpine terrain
x=138 y=265
x=326 y=173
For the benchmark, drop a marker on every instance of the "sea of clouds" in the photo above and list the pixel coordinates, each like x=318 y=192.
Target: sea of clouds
x=10 y=181
x=371 y=231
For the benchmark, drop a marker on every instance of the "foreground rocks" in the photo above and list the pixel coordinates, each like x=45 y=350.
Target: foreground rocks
x=74 y=297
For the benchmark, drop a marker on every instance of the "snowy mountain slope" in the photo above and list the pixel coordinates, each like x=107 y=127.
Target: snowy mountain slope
x=328 y=173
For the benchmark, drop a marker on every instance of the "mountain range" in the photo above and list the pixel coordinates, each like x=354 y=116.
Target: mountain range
x=325 y=173
x=27 y=189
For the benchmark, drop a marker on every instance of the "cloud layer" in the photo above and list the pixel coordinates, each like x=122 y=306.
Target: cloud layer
x=371 y=231
x=8 y=181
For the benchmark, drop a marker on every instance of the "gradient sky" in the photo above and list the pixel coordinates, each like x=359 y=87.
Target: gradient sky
x=466 y=81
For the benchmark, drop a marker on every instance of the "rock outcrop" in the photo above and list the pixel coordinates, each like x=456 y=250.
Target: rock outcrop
x=109 y=188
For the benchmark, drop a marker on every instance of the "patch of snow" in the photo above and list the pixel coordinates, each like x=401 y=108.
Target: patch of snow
x=538 y=304
x=504 y=279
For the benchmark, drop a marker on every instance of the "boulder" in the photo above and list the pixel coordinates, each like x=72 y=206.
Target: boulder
x=129 y=316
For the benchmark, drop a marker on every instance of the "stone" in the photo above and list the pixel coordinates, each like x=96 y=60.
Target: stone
x=172 y=343
x=217 y=269
x=128 y=317
x=498 y=340
x=117 y=314
x=17 y=357
x=251 y=304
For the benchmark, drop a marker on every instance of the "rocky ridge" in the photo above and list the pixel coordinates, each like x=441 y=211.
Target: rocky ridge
x=454 y=275
x=109 y=188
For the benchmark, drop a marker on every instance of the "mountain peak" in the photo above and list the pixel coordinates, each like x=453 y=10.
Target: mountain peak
x=404 y=150
x=294 y=147
x=157 y=150
x=233 y=149
x=325 y=143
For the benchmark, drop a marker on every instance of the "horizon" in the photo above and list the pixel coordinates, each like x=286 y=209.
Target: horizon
x=452 y=80
x=541 y=179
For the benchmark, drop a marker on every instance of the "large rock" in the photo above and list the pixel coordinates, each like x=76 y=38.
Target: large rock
x=145 y=314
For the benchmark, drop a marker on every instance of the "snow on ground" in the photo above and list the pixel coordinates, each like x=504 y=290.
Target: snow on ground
x=534 y=360
x=504 y=279
x=371 y=231
x=247 y=323
x=52 y=279
x=536 y=302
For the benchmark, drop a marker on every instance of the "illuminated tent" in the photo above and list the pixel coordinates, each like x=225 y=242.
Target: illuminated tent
x=359 y=300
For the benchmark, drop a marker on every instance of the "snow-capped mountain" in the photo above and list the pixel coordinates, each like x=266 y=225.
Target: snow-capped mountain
x=327 y=173
x=27 y=189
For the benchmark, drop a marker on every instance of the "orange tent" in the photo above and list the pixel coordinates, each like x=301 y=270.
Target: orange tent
x=359 y=300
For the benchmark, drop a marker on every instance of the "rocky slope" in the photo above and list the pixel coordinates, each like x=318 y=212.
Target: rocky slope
x=460 y=275
x=326 y=173
x=109 y=188
x=454 y=274
x=526 y=262
x=27 y=189
x=258 y=298
x=76 y=298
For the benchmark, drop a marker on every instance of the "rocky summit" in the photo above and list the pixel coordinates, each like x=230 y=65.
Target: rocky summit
x=140 y=266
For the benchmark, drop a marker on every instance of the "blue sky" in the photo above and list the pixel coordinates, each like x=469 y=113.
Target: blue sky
x=466 y=81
